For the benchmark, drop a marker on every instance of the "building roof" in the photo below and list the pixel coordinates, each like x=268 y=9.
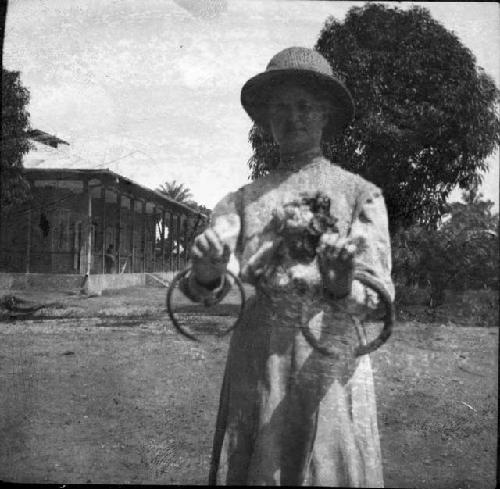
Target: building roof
x=111 y=180
x=45 y=138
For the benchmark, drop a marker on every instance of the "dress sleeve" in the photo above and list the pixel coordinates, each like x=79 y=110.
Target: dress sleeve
x=370 y=227
x=226 y=222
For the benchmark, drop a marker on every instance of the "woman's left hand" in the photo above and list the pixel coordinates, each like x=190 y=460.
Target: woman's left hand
x=336 y=263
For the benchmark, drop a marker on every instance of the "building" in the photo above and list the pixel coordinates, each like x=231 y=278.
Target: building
x=93 y=222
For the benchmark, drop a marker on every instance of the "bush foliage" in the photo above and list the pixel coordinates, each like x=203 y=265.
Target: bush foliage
x=14 y=188
x=460 y=254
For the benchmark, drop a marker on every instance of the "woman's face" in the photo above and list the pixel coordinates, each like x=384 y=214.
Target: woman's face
x=297 y=119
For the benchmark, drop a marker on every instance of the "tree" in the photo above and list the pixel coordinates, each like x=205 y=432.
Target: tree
x=176 y=191
x=180 y=193
x=195 y=225
x=14 y=188
x=426 y=115
x=461 y=254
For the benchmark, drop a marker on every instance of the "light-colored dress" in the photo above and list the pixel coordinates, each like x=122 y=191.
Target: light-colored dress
x=289 y=415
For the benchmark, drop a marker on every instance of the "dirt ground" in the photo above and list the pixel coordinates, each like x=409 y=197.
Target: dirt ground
x=103 y=390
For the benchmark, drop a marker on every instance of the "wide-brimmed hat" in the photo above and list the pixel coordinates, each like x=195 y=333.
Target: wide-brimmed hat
x=308 y=68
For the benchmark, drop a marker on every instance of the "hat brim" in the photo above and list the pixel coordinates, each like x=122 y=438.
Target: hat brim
x=256 y=91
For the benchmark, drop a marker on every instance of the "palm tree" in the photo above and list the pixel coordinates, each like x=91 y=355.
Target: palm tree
x=176 y=191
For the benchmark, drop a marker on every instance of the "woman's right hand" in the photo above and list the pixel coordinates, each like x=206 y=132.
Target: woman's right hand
x=209 y=256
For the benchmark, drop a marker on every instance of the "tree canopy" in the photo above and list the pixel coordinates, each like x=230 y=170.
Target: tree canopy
x=426 y=114
x=15 y=143
x=180 y=193
x=176 y=191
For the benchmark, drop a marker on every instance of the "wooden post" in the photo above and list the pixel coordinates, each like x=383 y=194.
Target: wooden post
x=132 y=232
x=28 y=242
x=154 y=239
x=178 y=258
x=184 y=239
x=163 y=217
x=171 y=242
x=119 y=232
x=51 y=237
x=103 y=224
x=89 y=229
x=144 y=229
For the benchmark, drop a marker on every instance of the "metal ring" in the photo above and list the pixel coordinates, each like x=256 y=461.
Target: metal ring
x=389 y=320
x=174 y=320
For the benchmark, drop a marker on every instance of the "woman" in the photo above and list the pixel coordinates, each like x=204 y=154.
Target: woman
x=289 y=414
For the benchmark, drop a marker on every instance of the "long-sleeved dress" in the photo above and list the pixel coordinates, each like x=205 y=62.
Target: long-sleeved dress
x=288 y=414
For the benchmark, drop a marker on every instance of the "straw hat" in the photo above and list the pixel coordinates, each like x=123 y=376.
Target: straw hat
x=308 y=68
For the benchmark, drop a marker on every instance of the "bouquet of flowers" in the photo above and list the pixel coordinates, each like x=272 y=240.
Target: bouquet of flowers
x=300 y=225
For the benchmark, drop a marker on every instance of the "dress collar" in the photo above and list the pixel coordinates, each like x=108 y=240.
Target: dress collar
x=302 y=164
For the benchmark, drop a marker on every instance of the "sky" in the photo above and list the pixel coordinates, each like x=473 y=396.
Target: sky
x=151 y=90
